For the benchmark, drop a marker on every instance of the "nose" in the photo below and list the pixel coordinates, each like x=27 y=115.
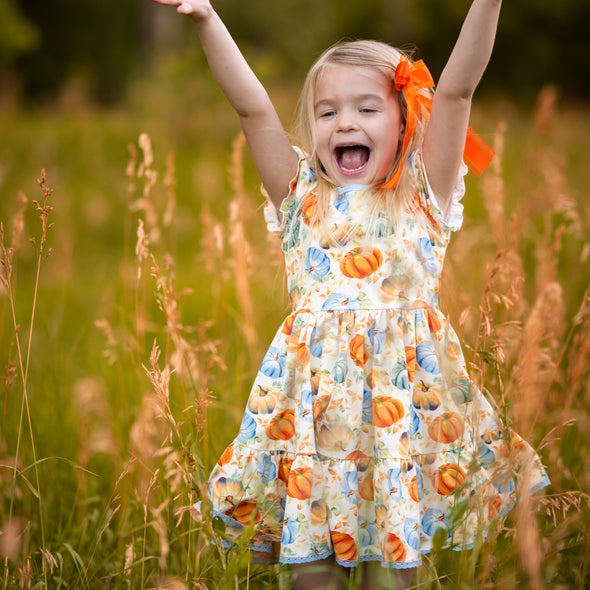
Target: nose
x=347 y=121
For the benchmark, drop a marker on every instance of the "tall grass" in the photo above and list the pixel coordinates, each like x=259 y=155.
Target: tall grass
x=128 y=353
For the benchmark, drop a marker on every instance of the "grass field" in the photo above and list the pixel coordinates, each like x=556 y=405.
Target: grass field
x=139 y=289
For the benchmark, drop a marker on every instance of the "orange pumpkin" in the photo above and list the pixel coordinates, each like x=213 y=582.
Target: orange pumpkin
x=302 y=356
x=344 y=546
x=394 y=548
x=288 y=324
x=413 y=489
x=411 y=362
x=448 y=478
x=434 y=322
x=300 y=481
x=386 y=411
x=227 y=455
x=361 y=262
x=366 y=489
x=320 y=406
x=282 y=426
x=309 y=209
x=446 y=428
x=318 y=513
x=284 y=469
x=425 y=399
x=245 y=513
x=263 y=401
x=358 y=353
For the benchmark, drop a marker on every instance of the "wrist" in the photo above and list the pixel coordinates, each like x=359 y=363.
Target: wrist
x=202 y=15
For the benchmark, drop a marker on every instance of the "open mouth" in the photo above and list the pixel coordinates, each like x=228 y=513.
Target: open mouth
x=352 y=159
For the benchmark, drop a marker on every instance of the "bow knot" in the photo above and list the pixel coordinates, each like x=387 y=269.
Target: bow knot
x=412 y=79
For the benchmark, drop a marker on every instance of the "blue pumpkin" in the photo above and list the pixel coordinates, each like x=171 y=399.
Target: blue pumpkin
x=414 y=422
x=504 y=483
x=342 y=202
x=461 y=392
x=433 y=521
x=316 y=344
x=267 y=470
x=247 y=428
x=350 y=487
x=399 y=377
x=426 y=358
x=367 y=534
x=273 y=364
x=377 y=338
x=306 y=404
x=368 y=406
x=340 y=369
x=339 y=301
x=426 y=255
x=317 y=264
x=485 y=455
x=395 y=484
x=290 y=530
x=412 y=533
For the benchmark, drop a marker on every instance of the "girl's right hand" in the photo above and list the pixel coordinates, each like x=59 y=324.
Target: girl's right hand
x=197 y=9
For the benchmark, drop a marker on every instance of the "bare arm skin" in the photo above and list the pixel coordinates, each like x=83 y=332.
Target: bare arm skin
x=273 y=155
x=445 y=136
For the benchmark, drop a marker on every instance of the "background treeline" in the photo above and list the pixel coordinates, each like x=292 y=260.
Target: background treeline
x=46 y=43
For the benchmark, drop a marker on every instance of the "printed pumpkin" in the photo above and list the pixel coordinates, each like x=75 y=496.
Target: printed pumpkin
x=394 y=549
x=263 y=401
x=282 y=426
x=449 y=478
x=361 y=262
x=425 y=399
x=446 y=428
x=284 y=469
x=358 y=352
x=386 y=411
x=300 y=482
x=344 y=546
x=245 y=513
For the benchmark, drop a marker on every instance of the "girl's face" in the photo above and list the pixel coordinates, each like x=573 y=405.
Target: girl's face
x=358 y=123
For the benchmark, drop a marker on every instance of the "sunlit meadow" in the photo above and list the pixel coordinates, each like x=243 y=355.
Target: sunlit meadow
x=139 y=288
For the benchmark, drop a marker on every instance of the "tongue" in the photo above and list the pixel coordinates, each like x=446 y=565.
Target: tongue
x=353 y=158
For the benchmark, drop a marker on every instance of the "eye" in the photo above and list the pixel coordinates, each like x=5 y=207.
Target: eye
x=326 y=114
x=367 y=110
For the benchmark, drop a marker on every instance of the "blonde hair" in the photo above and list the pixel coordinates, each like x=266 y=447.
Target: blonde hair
x=367 y=54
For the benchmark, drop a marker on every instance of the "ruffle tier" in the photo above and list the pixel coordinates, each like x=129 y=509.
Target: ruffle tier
x=363 y=436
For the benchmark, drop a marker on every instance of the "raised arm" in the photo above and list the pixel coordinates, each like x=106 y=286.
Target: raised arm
x=275 y=159
x=445 y=136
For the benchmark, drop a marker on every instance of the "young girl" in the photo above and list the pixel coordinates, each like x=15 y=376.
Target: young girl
x=364 y=437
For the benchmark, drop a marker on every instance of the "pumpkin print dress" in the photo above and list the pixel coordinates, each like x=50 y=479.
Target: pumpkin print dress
x=363 y=435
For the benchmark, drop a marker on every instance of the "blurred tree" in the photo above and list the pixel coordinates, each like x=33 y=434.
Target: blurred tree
x=538 y=43
x=96 y=40
x=103 y=40
x=17 y=34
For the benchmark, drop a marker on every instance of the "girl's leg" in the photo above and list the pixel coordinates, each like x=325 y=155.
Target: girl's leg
x=324 y=574
x=376 y=577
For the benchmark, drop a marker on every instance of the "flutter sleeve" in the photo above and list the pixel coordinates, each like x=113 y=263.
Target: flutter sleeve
x=304 y=179
x=453 y=219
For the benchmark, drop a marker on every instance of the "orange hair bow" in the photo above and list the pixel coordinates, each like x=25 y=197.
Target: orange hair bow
x=410 y=78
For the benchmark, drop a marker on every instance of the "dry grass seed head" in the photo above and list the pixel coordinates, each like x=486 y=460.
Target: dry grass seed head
x=537 y=367
x=493 y=188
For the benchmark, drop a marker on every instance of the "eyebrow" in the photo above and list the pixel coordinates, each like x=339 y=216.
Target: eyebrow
x=359 y=98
